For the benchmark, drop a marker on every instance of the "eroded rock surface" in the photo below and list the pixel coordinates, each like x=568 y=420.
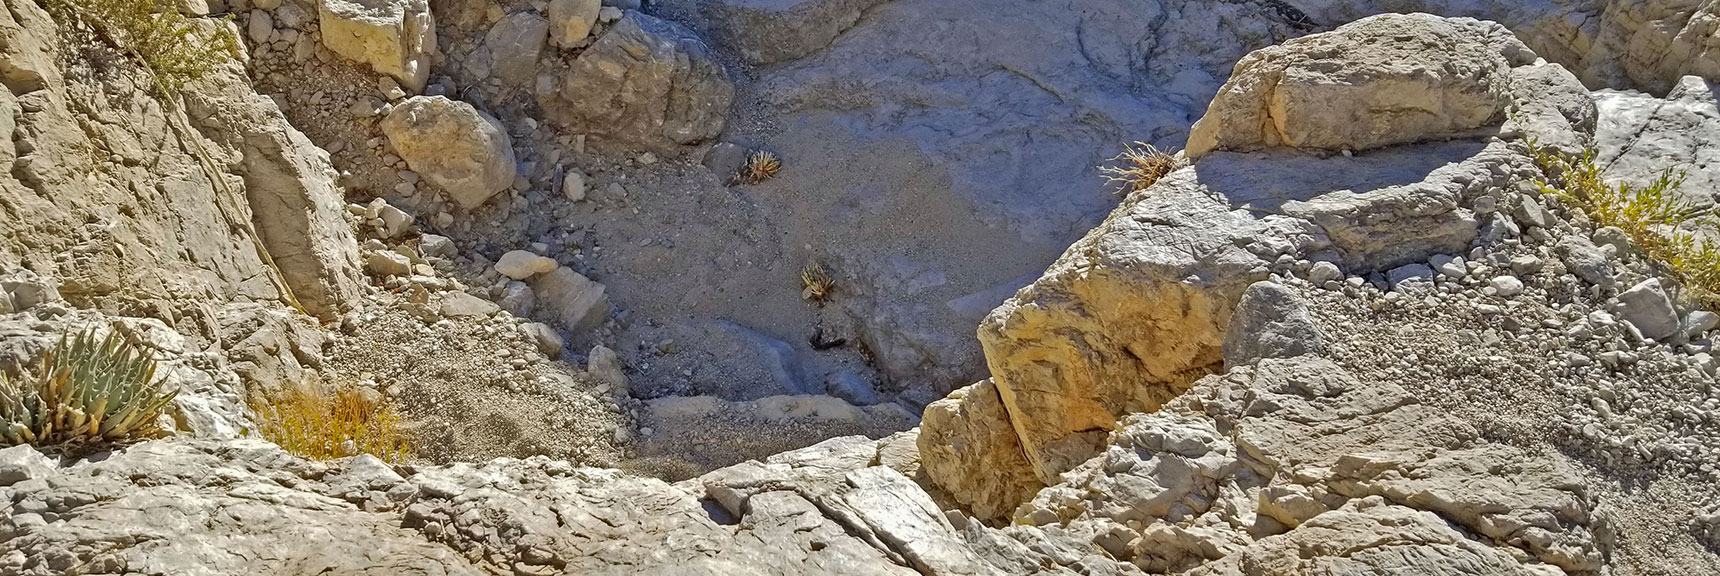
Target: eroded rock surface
x=393 y=37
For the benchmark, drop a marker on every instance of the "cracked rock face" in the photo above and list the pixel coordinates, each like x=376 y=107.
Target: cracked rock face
x=1382 y=80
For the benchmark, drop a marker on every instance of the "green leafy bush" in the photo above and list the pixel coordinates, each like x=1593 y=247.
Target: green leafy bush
x=86 y=392
x=1658 y=220
x=175 y=48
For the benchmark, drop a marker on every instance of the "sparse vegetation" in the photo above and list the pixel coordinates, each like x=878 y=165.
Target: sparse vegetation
x=86 y=392
x=760 y=166
x=816 y=283
x=176 y=49
x=346 y=422
x=1656 y=217
x=1139 y=166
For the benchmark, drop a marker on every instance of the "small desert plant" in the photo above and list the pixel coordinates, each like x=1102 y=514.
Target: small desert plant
x=153 y=32
x=816 y=284
x=344 y=423
x=1139 y=166
x=1656 y=218
x=760 y=166
x=86 y=392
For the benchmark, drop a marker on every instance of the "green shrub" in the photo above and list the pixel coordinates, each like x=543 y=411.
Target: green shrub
x=1658 y=220
x=86 y=392
x=154 y=33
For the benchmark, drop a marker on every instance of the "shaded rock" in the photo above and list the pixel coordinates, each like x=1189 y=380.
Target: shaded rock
x=605 y=369
x=645 y=83
x=547 y=340
x=1270 y=321
x=394 y=37
x=518 y=299
x=767 y=32
x=515 y=43
x=454 y=146
x=579 y=303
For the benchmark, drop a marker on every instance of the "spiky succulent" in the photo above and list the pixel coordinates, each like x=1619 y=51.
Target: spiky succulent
x=816 y=284
x=87 y=392
x=760 y=166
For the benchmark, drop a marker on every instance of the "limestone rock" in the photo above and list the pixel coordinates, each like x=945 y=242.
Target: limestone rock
x=768 y=32
x=1584 y=260
x=970 y=430
x=1641 y=136
x=1270 y=321
x=518 y=299
x=1647 y=307
x=456 y=304
x=1139 y=308
x=520 y=264
x=515 y=43
x=387 y=263
x=393 y=37
x=1367 y=84
x=453 y=145
x=1652 y=44
x=571 y=21
x=604 y=368
x=646 y=83
x=579 y=303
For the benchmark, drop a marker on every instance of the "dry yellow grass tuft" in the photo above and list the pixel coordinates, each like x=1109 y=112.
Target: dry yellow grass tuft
x=1139 y=166
x=323 y=426
x=816 y=283
x=760 y=166
x=1656 y=217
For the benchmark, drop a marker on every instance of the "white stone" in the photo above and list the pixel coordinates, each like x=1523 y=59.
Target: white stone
x=1506 y=286
x=520 y=264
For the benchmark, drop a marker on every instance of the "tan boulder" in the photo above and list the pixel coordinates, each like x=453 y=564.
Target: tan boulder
x=970 y=431
x=1379 y=81
x=571 y=21
x=453 y=145
x=394 y=37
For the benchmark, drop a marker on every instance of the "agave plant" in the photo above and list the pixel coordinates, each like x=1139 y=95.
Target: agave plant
x=87 y=392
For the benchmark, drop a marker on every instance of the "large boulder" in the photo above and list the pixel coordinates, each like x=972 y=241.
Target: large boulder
x=646 y=83
x=453 y=145
x=393 y=37
x=514 y=45
x=296 y=208
x=1134 y=312
x=1383 y=80
x=968 y=431
x=1651 y=44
